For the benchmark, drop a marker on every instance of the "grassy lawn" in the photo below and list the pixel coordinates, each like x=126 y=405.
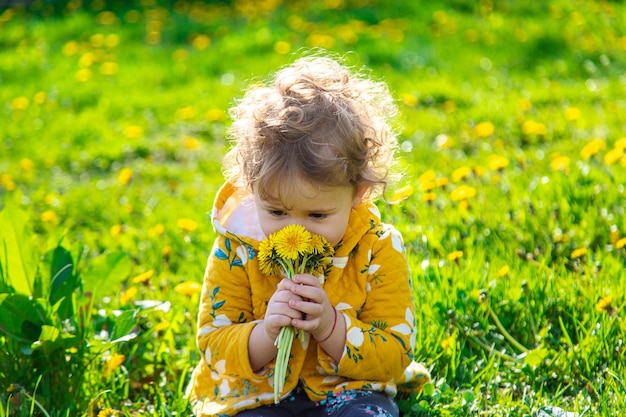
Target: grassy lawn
x=513 y=145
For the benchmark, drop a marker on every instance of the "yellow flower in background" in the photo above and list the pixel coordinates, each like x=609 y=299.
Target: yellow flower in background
x=162 y=326
x=116 y=230
x=593 y=147
x=83 y=75
x=498 y=163
x=572 y=114
x=156 y=230
x=621 y=243
x=531 y=127
x=188 y=288
x=115 y=361
x=20 y=103
x=70 y=48
x=484 y=129
x=525 y=104
x=109 y=68
x=186 y=113
x=215 y=115
x=429 y=175
x=191 y=143
x=133 y=132
x=613 y=156
x=578 y=253
x=109 y=412
x=6 y=180
x=180 y=55
x=26 y=164
x=464 y=192
x=402 y=193
x=503 y=271
x=49 y=216
x=604 y=304
x=441 y=182
x=201 y=42
x=429 y=197
x=449 y=342
x=128 y=295
x=282 y=47
x=125 y=175
x=453 y=256
x=560 y=163
x=187 y=225
x=143 y=277
x=620 y=144
x=461 y=173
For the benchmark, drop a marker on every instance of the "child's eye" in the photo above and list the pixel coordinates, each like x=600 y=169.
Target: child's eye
x=277 y=213
x=318 y=216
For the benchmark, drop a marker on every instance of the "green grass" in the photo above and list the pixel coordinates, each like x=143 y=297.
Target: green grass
x=112 y=124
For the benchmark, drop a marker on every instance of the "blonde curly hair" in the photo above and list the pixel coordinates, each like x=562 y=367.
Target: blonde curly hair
x=316 y=120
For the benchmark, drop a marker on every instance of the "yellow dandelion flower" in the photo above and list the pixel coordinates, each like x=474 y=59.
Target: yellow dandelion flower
x=83 y=75
x=525 y=104
x=26 y=164
x=166 y=251
x=503 y=271
x=442 y=182
x=115 y=361
x=621 y=243
x=186 y=113
x=282 y=47
x=604 y=304
x=116 y=230
x=162 y=326
x=180 y=55
x=427 y=185
x=479 y=170
x=409 y=99
x=106 y=18
x=620 y=144
x=464 y=192
x=109 y=68
x=613 y=156
x=461 y=173
x=49 y=216
x=20 y=103
x=39 y=97
x=531 y=127
x=560 y=163
x=201 y=42
x=125 y=175
x=429 y=197
x=453 y=256
x=267 y=257
x=128 y=295
x=427 y=176
x=449 y=106
x=448 y=342
x=109 y=412
x=498 y=162
x=6 y=180
x=292 y=241
x=188 y=288
x=191 y=143
x=402 y=193
x=112 y=40
x=215 y=115
x=156 y=230
x=143 y=277
x=187 y=225
x=133 y=132
x=484 y=129
x=578 y=253
x=572 y=114
x=70 y=48
x=593 y=147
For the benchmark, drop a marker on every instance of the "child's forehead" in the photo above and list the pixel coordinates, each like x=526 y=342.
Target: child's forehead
x=290 y=192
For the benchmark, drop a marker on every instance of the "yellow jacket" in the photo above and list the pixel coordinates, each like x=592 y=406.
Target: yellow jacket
x=368 y=283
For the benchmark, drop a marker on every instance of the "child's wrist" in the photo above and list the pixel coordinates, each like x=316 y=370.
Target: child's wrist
x=332 y=330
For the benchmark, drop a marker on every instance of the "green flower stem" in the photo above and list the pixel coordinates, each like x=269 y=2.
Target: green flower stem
x=283 y=343
x=506 y=334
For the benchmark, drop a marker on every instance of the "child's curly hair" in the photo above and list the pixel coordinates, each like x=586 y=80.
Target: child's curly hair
x=316 y=120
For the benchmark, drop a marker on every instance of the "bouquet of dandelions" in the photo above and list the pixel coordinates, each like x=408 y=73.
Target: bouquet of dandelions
x=289 y=251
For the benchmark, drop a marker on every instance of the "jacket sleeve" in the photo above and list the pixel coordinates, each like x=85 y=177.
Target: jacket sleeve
x=225 y=318
x=380 y=337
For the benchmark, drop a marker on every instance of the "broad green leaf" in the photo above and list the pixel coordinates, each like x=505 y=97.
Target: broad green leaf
x=21 y=317
x=124 y=324
x=18 y=256
x=62 y=280
x=104 y=274
x=51 y=339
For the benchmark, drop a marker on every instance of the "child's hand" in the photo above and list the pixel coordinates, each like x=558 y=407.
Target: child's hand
x=279 y=312
x=318 y=315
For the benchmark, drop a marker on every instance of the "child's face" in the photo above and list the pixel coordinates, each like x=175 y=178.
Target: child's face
x=323 y=211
